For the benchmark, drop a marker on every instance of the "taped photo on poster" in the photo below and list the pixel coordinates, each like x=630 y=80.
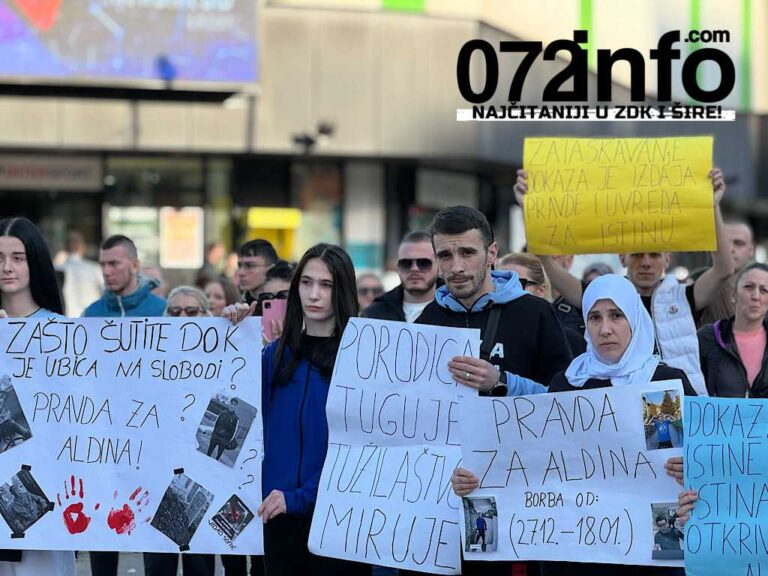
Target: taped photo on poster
x=92 y=410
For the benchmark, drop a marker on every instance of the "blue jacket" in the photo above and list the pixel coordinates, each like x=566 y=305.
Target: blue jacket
x=295 y=433
x=140 y=302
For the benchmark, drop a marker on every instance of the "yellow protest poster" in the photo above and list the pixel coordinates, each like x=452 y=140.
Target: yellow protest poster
x=619 y=195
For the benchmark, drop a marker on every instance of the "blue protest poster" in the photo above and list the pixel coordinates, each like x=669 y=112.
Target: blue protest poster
x=726 y=461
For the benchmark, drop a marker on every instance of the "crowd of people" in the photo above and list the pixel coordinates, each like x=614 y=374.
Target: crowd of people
x=543 y=330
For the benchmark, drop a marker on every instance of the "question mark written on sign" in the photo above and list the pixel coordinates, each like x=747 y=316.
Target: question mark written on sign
x=250 y=481
x=232 y=379
x=188 y=405
x=254 y=453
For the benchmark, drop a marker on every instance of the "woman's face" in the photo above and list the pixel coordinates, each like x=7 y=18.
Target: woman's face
x=14 y=269
x=316 y=291
x=185 y=305
x=217 y=299
x=752 y=295
x=609 y=330
x=525 y=277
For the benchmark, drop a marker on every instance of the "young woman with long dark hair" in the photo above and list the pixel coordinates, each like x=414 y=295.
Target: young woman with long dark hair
x=296 y=375
x=28 y=289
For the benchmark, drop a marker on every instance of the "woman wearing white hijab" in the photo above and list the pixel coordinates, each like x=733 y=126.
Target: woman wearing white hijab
x=620 y=339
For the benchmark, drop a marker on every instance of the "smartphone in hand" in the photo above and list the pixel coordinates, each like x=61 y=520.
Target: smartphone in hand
x=271 y=310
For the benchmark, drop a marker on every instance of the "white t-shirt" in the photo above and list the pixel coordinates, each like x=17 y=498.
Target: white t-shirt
x=413 y=310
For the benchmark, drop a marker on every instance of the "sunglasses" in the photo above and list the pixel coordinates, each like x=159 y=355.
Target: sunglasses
x=282 y=295
x=423 y=264
x=364 y=291
x=188 y=311
x=524 y=282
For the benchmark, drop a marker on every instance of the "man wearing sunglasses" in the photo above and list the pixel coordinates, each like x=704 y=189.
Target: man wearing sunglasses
x=417 y=268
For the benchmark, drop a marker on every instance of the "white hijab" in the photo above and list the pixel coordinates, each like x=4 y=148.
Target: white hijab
x=638 y=363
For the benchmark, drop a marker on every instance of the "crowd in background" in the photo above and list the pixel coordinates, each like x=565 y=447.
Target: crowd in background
x=543 y=330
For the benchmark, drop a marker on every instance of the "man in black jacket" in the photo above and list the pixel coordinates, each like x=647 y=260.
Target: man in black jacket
x=528 y=347
x=224 y=430
x=417 y=269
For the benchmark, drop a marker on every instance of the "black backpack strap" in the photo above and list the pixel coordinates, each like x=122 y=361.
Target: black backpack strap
x=489 y=334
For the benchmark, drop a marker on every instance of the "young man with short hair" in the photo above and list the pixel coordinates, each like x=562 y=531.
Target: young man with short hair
x=529 y=346
x=523 y=338
x=254 y=258
x=672 y=306
x=127 y=292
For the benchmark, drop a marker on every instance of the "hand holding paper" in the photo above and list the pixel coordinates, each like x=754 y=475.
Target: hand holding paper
x=463 y=482
x=474 y=372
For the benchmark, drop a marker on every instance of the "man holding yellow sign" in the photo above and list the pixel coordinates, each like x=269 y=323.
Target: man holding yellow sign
x=643 y=199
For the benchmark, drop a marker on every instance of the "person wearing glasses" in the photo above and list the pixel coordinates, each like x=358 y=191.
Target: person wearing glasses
x=254 y=259
x=417 y=268
x=277 y=283
x=530 y=272
x=369 y=287
x=187 y=301
x=127 y=293
x=534 y=280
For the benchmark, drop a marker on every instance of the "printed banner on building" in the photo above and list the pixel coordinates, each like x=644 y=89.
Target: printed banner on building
x=574 y=476
x=137 y=434
x=726 y=461
x=619 y=195
x=393 y=417
x=62 y=173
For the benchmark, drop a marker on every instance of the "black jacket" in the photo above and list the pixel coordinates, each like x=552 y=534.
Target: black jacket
x=532 y=341
x=388 y=306
x=721 y=364
x=569 y=315
x=576 y=341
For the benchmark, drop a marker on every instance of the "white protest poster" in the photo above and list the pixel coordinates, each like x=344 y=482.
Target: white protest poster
x=385 y=493
x=574 y=476
x=141 y=434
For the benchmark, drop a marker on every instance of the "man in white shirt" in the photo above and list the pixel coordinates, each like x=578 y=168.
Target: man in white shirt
x=417 y=268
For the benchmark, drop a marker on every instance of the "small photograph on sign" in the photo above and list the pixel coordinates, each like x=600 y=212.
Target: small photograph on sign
x=233 y=517
x=225 y=424
x=480 y=516
x=667 y=534
x=14 y=428
x=23 y=502
x=182 y=508
x=663 y=420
